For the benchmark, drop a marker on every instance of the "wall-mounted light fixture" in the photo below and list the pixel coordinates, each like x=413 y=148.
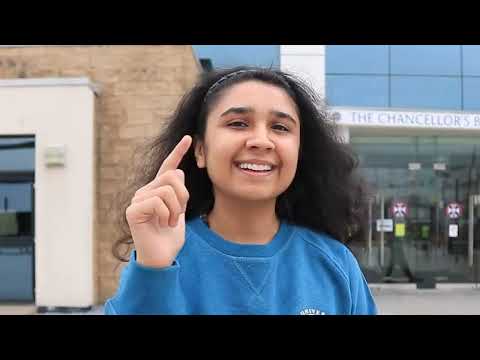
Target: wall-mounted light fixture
x=55 y=156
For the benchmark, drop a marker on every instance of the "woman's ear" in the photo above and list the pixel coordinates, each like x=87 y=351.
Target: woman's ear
x=199 y=152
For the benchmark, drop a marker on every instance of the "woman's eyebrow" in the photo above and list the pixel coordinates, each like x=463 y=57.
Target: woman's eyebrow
x=238 y=110
x=283 y=115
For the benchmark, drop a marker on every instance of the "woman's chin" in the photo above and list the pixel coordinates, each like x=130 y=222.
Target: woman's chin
x=256 y=197
x=249 y=192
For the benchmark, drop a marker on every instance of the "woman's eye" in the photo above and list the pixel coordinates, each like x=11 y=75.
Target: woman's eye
x=238 y=124
x=280 y=127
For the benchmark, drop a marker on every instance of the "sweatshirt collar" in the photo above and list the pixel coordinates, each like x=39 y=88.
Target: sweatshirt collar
x=228 y=247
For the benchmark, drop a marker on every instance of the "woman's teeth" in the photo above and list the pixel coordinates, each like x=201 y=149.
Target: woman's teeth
x=255 y=167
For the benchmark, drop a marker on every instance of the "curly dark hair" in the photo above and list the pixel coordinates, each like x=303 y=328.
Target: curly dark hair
x=327 y=193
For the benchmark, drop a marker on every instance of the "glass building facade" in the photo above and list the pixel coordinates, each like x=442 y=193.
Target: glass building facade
x=424 y=217
x=443 y=77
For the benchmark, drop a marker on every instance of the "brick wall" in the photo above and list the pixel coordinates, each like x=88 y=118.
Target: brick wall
x=140 y=85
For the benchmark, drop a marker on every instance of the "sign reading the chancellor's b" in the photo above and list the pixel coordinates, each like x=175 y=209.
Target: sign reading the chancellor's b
x=454 y=210
x=410 y=119
x=399 y=209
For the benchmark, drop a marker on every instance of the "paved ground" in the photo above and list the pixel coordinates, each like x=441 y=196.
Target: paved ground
x=441 y=301
x=17 y=310
x=398 y=300
x=97 y=310
x=32 y=310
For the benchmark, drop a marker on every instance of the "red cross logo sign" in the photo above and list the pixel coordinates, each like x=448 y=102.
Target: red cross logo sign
x=399 y=209
x=454 y=210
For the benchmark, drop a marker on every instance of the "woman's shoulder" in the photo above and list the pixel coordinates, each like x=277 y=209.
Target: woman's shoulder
x=325 y=245
x=319 y=239
x=194 y=227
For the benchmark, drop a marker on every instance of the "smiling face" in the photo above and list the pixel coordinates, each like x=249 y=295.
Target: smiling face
x=251 y=143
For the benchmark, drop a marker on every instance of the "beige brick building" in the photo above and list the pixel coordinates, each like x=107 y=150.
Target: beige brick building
x=138 y=87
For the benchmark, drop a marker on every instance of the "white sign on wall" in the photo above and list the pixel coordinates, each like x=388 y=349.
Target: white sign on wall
x=453 y=230
x=414 y=166
x=385 y=225
x=407 y=119
x=439 y=166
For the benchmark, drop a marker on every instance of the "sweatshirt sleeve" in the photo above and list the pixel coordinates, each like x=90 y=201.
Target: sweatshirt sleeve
x=361 y=296
x=146 y=291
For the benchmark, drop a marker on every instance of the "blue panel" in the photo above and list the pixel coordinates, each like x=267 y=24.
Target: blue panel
x=425 y=59
x=226 y=56
x=364 y=91
x=16 y=274
x=471 y=93
x=17 y=154
x=471 y=60
x=426 y=92
x=356 y=59
x=15 y=197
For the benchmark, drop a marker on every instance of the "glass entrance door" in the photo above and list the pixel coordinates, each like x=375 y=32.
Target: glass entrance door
x=17 y=225
x=424 y=218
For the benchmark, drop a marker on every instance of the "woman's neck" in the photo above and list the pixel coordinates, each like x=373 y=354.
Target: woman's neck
x=244 y=222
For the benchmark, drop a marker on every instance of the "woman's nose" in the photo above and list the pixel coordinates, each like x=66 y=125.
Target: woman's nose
x=260 y=140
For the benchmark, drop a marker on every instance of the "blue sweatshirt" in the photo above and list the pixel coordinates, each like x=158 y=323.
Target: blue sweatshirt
x=299 y=272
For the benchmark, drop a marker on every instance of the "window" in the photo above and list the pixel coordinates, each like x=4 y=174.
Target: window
x=471 y=93
x=425 y=59
x=356 y=59
x=17 y=154
x=471 y=60
x=426 y=92
x=357 y=90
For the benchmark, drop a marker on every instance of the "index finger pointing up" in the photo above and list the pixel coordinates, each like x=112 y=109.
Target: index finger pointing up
x=175 y=157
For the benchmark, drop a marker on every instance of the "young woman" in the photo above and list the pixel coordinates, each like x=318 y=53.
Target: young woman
x=244 y=205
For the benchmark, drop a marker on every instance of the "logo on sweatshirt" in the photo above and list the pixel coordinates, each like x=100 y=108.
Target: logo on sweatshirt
x=312 y=312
